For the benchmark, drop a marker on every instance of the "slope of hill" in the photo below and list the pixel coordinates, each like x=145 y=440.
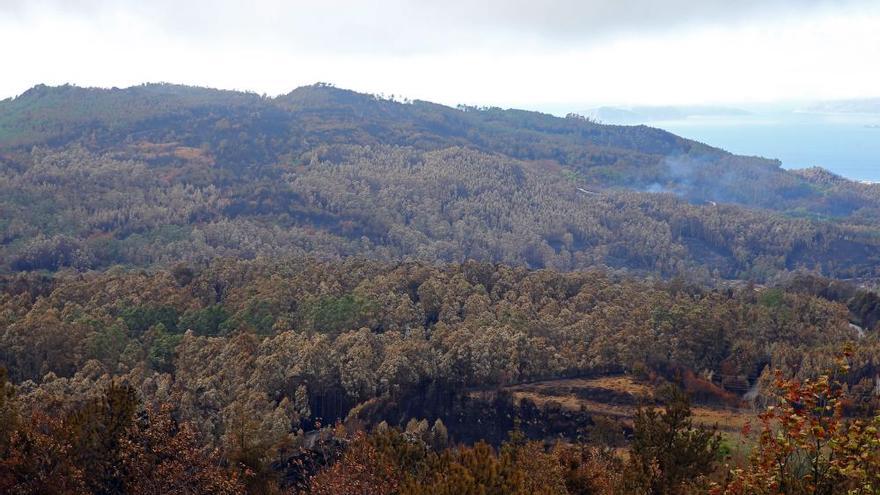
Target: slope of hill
x=157 y=173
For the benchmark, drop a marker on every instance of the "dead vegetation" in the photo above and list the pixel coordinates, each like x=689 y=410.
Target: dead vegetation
x=619 y=397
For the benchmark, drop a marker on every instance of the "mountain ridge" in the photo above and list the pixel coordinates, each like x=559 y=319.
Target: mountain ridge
x=632 y=157
x=148 y=174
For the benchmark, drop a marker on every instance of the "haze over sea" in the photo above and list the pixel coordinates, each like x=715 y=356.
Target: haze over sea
x=845 y=144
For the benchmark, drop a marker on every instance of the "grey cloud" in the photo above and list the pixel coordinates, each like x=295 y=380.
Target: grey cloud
x=399 y=26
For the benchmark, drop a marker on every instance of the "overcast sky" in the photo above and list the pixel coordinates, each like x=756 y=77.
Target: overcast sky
x=523 y=53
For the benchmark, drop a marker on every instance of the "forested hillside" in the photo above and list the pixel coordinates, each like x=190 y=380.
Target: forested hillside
x=250 y=356
x=159 y=173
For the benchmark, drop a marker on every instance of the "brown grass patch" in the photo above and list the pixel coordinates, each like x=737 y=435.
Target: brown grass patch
x=592 y=395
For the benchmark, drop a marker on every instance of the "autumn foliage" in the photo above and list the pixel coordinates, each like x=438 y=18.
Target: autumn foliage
x=807 y=446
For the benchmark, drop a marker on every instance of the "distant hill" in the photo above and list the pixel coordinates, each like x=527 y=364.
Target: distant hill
x=161 y=172
x=242 y=130
x=65 y=114
x=644 y=114
x=865 y=105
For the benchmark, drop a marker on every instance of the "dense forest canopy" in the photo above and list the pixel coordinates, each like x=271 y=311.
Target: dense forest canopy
x=250 y=355
x=156 y=173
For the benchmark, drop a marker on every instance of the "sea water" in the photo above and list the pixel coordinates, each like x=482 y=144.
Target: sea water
x=845 y=144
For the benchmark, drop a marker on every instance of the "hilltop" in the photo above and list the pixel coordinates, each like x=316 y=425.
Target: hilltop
x=161 y=172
